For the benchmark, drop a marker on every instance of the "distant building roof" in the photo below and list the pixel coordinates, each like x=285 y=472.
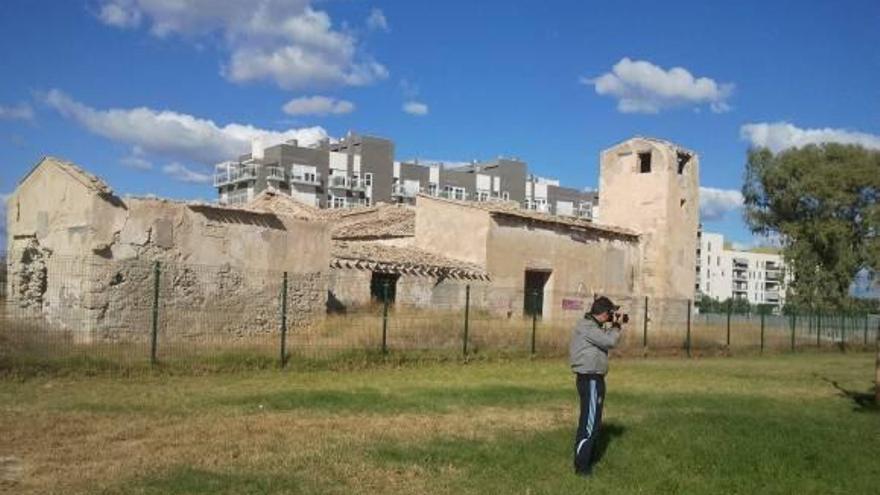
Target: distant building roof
x=512 y=210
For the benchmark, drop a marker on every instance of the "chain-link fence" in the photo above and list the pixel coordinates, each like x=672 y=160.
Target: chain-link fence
x=115 y=314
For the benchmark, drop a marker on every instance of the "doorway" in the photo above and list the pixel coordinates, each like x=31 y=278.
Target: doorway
x=533 y=296
x=379 y=281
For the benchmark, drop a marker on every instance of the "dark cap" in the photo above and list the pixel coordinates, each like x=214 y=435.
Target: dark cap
x=601 y=305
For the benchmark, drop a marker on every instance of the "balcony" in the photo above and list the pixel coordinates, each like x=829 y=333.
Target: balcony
x=339 y=182
x=307 y=179
x=739 y=275
x=357 y=184
x=740 y=262
x=775 y=275
x=234 y=174
x=401 y=191
x=276 y=173
x=459 y=196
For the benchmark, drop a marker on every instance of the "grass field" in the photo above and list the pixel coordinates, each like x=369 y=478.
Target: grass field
x=782 y=424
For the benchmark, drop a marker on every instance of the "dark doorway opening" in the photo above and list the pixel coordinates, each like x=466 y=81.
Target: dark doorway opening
x=378 y=283
x=533 y=298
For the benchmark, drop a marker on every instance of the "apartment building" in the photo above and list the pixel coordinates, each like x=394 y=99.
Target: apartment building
x=361 y=170
x=723 y=273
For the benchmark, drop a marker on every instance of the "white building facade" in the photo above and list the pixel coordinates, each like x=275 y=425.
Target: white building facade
x=759 y=278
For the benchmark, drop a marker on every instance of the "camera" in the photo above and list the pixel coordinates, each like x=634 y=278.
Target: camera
x=618 y=319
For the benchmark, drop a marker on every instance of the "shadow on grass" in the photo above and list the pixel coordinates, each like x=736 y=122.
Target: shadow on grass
x=863 y=401
x=609 y=432
x=404 y=400
x=190 y=480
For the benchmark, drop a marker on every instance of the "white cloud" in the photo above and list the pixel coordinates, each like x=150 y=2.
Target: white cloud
x=284 y=41
x=642 y=87
x=415 y=108
x=183 y=174
x=317 y=105
x=22 y=111
x=778 y=136
x=716 y=203
x=175 y=135
x=121 y=14
x=377 y=21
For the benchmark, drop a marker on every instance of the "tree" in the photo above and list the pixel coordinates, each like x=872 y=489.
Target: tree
x=822 y=203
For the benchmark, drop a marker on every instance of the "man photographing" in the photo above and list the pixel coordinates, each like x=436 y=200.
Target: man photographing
x=588 y=351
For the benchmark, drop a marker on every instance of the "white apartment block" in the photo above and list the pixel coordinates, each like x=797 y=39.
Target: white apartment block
x=723 y=273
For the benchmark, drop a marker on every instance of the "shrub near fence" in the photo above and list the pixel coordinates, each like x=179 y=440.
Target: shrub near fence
x=135 y=314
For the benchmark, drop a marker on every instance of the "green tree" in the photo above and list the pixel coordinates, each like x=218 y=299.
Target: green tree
x=822 y=203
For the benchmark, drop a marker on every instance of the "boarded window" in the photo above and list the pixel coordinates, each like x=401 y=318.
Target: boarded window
x=645 y=163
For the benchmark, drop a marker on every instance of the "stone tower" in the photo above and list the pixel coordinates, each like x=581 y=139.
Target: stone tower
x=652 y=186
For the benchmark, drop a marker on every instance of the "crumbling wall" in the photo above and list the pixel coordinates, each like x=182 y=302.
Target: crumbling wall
x=28 y=273
x=85 y=261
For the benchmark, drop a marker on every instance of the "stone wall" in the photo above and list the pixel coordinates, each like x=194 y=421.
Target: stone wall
x=84 y=260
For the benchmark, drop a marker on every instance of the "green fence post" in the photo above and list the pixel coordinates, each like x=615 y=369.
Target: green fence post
x=467 y=305
x=729 y=311
x=385 y=318
x=688 y=341
x=645 y=327
x=842 y=332
x=284 y=320
x=154 y=334
x=866 y=329
x=818 y=329
x=793 y=328
x=762 y=311
x=534 y=321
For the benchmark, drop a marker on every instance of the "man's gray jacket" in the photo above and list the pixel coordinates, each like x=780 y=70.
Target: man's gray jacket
x=588 y=351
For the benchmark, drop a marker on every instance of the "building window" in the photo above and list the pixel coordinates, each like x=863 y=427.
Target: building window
x=337 y=202
x=505 y=196
x=368 y=179
x=432 y=189
x=645 y=163
x=683 y=159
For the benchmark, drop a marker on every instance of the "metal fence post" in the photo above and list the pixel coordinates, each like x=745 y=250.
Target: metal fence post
x=284 y=320
x=762 y=329
x=793 y=328
x=866 y=329
x=154 y=334
x=688 y=341
x=818 y=329
x=729 y=311
x=534 y=321
x=467 y=305
x=385 y=318
x=842 y=332
x=645 y=326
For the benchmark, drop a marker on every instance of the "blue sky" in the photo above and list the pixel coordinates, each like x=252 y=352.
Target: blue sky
x=147 y=93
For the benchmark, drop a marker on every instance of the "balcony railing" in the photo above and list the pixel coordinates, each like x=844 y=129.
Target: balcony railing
x=401 y=191
x=276 y=173
x=235 y=174
x=339 y=182
x=308 y=179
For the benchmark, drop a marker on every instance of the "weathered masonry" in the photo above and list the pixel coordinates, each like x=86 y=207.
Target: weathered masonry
x=77 y=250
x=534 y=260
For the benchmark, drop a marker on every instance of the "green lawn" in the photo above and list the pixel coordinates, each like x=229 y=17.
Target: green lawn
x=780 y=424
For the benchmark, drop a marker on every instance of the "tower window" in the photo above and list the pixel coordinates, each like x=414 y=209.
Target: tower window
x=683 y=159
x=645 y=163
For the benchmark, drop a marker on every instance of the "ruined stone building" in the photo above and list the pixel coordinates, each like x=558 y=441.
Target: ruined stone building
x=74 y=246
x=85 y=258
